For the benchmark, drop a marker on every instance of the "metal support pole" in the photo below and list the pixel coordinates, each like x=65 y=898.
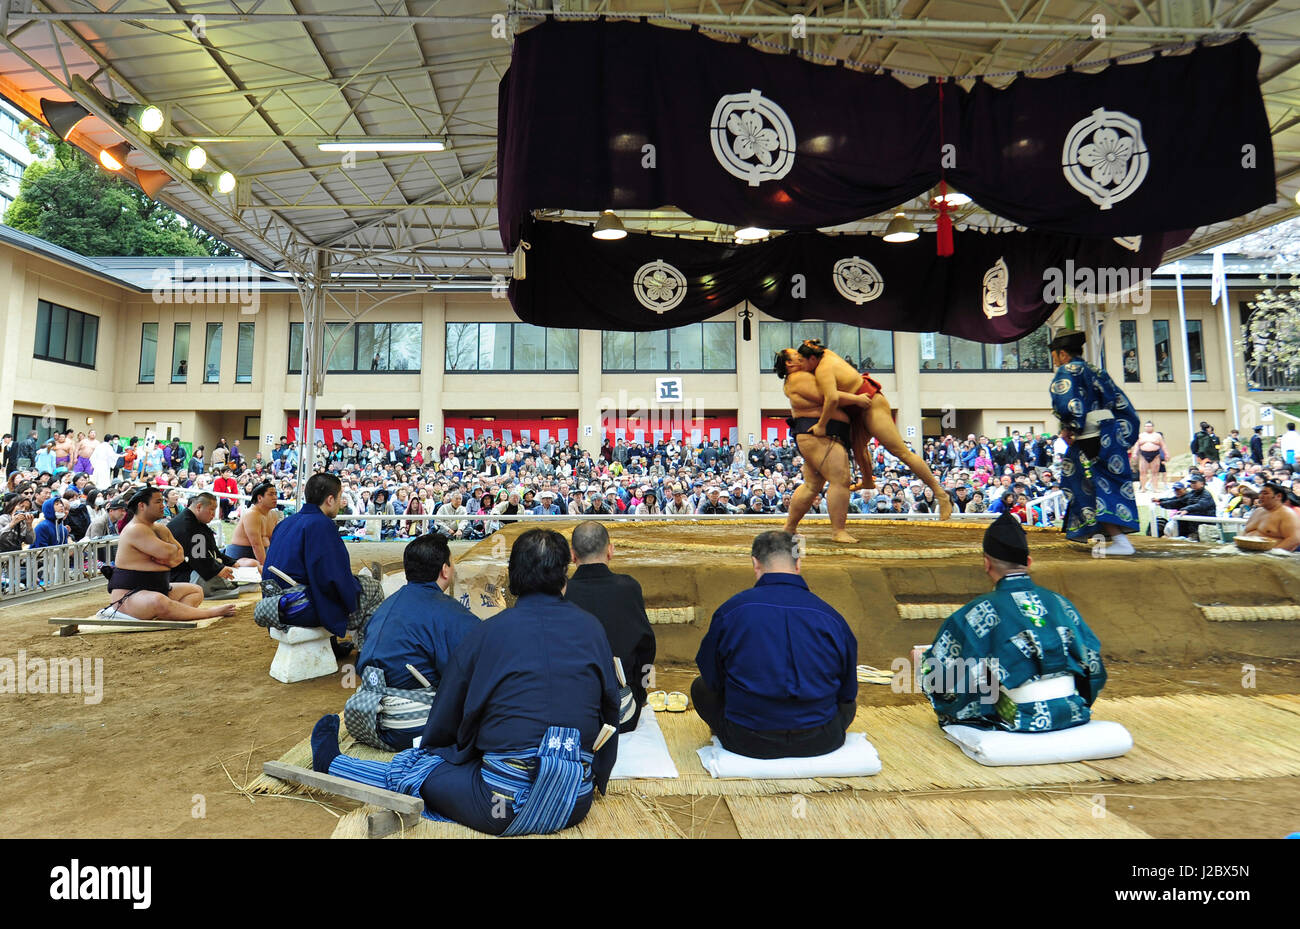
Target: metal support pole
x=1231 y=351
x=1187 y=354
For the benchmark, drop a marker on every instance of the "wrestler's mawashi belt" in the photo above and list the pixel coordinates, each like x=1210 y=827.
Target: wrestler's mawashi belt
x=132 y=580
x=835 y=429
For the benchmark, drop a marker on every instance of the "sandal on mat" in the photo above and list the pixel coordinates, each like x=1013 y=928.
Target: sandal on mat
x=677 y=702
x=657 y=701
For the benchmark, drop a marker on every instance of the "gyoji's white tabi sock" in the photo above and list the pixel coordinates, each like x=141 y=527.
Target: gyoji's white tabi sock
x=1119 y=545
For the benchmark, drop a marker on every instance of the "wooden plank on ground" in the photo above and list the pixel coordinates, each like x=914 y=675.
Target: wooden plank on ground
x=388 y=799
x=125 y=623
x=385 y=822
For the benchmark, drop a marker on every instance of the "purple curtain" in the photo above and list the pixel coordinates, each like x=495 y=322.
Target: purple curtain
x=994 y=288
x=623 y=115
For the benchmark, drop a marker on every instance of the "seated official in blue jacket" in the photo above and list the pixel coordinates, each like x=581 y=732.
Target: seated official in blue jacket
x=306 y=546
x=778 y=666
x=418 y=627
x=1020 y=658
x=513 y=742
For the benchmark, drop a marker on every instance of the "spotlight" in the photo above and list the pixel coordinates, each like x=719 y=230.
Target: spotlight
x=751 y=234
x=195 y=158
x=222 y=183
x=63 y=115
x=900 y=229
x=148 y=118
x=609 y=227
x=953 y=199
x=114 y=158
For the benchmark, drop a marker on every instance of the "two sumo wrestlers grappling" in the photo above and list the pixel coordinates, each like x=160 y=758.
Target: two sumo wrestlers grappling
x=834 y=408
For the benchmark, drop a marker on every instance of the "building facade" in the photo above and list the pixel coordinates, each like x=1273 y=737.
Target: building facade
x=99 y=343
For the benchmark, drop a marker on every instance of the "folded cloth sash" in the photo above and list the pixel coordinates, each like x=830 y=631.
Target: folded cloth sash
x=995 y=747
x=1052 y=687
x=855 y=758
x=546 y=783
x=376 y=706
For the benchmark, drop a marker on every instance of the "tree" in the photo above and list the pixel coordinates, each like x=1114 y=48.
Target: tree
x=1273 y=330
x=70 y=201
x=1272 y=337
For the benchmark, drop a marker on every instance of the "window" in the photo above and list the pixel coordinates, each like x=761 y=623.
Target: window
x=181 y=353
x=510 y=347
x=212 y=355
x=949 y=353
x=11 y=167
x=1195 y=350
x=44 y=426
x=64 y=335
x=866 y=349
x=361 y=348
x=1128 y=342
x=1164 y=360
x=244 y=357
x=148 y=351
x=698 y=347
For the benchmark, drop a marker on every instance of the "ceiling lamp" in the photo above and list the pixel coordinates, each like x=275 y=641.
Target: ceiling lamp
x=148 y=118
x=900 y=229
x=63 y=115
x=152 y=181
x=751 y=234
x=222 y=183
x=953 y=198
x=381 y=145
x=114 y=158
x=195 y=158
x=609 y=227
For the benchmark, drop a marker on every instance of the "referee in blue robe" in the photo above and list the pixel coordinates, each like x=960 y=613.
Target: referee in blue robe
x=1100 y=425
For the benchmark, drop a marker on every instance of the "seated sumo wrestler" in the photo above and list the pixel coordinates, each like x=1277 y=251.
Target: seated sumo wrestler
x=140 y=583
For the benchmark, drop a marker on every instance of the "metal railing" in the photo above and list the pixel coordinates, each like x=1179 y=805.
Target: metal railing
x=39 y=572
x=1268 y=377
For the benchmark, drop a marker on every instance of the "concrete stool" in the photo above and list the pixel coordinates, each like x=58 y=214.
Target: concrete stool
x=304 y=652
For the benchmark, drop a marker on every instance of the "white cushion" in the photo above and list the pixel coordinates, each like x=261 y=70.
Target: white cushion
x=248 y=575
x=297 y=634
x=995 y=747
x=643 y=751
x=855 y=758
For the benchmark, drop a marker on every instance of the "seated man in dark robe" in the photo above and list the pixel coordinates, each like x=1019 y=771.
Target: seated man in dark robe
x=513 y=742
x=1020 y=658
x=615 y=600
x=306 y=546
x=417 y=628
x=205 y=564
x=778 y=666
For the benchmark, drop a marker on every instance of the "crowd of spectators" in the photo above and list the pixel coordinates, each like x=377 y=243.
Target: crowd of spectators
x=474 y=482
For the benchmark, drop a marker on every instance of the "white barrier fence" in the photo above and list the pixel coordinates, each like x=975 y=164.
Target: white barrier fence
x=62 y=568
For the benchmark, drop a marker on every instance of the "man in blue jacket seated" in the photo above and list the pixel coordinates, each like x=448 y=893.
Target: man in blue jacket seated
x=306 y=546
x=778 y=666
x=418 y=627
x=1020 y=658
x=512 y=745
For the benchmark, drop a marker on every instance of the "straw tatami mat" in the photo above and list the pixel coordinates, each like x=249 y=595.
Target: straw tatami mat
x=1203 y=737
x=1193 y=737
x=852 y=817
x=609 y=818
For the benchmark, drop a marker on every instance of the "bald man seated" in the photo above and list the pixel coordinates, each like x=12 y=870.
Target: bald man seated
x=140 y=584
